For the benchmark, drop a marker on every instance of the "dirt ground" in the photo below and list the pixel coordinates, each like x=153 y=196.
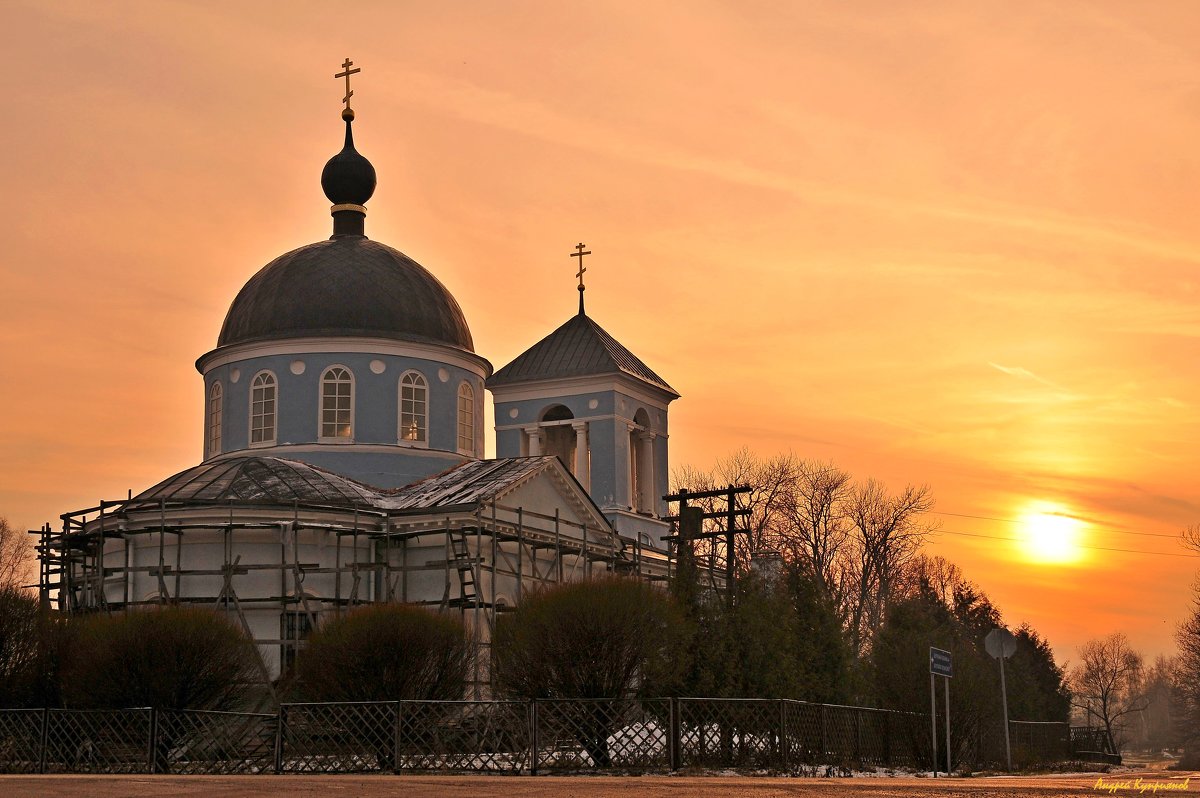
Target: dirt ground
x=585 y=786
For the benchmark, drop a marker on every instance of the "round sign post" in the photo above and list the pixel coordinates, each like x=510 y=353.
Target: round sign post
x=940 y=664
x=1001 y=644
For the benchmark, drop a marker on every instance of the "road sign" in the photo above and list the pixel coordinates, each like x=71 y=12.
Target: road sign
x=939 y=663
x=1000 y=643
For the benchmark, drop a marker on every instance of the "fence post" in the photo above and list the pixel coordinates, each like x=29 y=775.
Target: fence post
x=45 y=739
x=783 y=741
x=887 y=739
x=673 y=733
x=396 y=738
x=824 y=734
x=533 y=737
x=152 y=743
x=281 y=720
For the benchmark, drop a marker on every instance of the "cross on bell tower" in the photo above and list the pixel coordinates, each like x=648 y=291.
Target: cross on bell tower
x=579 y=253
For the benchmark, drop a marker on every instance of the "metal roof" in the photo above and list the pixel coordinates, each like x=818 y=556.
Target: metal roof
x=259 y=480
x=470 y=483
x=274 y=480
x=579 y=348
x=348 y=285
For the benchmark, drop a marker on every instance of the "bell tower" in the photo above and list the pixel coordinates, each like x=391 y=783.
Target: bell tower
x=582 y=396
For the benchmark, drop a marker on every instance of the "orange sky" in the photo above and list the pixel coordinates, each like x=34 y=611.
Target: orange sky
x=940 y=242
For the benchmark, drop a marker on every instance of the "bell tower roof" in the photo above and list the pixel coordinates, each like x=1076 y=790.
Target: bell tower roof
x=579 y=348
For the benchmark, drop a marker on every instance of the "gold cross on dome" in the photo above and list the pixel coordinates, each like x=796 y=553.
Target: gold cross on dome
x=579 y=253
x=346 y=74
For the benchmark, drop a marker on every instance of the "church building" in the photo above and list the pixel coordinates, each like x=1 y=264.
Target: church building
x=343 y=456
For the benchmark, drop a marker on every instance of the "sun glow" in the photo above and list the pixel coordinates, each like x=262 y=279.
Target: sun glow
x=1050 y=535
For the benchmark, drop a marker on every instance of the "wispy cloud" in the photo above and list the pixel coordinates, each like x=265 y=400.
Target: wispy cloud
x=1023 y=373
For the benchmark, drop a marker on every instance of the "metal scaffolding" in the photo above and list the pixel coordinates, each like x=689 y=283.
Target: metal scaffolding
x=94 y=561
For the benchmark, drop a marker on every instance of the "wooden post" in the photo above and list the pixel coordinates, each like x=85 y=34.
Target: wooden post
x=396 y=738
x=783 y=741
x=730 y=556
x=152 y=742
x=533 y=737
x=673 y=736
x=280 y=722
x=557 y=544
x=45 y=737
x=520 y=550
x=337 y=570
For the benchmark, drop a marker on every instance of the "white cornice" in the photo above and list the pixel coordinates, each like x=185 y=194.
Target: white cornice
x=543 y=425
x=292 y=347
x=549 y=389
x=283 y=450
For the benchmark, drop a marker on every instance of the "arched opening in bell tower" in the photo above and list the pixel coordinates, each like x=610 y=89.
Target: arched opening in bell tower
x=558 y=438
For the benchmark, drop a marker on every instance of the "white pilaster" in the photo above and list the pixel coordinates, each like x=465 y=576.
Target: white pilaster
x=582 y=461
x=535 y=440
x=646 y=471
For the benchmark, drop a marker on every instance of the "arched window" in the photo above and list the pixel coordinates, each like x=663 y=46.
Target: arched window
x=337 y=404
x=466 y=419
x=558 y=438
x=214 y=419
x=262 y=409
x=414 y=409
x=641 y=463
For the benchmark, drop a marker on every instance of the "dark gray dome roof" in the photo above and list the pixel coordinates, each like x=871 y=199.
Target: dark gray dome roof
x=347 y=286
x=257 y=480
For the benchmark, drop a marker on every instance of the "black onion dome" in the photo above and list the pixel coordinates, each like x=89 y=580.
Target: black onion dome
x=346 y=286
x=348 y=178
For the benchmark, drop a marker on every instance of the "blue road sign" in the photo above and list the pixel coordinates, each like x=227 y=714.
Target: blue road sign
x=939 y=662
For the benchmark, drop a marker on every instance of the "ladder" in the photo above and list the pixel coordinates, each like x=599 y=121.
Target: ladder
x=464 y=563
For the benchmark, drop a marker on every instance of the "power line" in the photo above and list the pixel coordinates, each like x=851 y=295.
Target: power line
x=1078 y=546
x=1102 y=528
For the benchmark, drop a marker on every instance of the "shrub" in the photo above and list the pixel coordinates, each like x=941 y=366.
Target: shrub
x=605 y=638
x=386 y=652
x=19 y=647
x=169 y=658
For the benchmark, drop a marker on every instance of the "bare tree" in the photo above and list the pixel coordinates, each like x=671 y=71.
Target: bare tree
x=1105 y=684
x=941 y=576
x=815 y=529
x=886 y=533
x=15 y=556
x=855 y=540
x=1188 y=638
x=1190 y=537
x=1188 y=665
x=771 y=482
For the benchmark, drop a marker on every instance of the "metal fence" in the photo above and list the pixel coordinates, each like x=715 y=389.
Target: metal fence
x=545 y=736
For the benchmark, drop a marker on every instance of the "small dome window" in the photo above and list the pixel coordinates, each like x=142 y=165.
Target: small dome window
x=337 y=404
x=414 y=409
x=262 y=409
x=214 y=419
x=466 y=419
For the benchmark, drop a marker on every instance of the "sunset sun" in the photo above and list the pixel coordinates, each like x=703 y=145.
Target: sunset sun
x=1050 y=536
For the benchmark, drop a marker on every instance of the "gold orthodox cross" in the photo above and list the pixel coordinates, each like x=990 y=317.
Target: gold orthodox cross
x=579 y=253
x=346 y=74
